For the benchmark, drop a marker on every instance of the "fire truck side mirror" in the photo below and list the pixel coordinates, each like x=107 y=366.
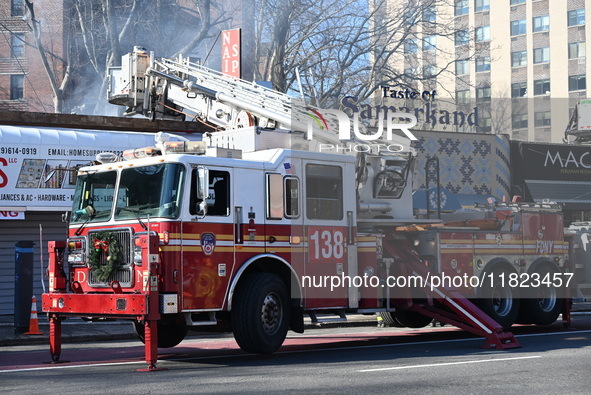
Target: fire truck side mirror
x=201 y=209
x=202 y=190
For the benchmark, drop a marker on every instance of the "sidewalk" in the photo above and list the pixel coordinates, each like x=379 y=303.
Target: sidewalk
x=77 y=330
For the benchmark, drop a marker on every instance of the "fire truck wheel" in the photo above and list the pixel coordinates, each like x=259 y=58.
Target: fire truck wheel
x=542 y=305
x=171 y=331
x=412 y=319
x=390 y=320
x=260 y=313
x=497 y=299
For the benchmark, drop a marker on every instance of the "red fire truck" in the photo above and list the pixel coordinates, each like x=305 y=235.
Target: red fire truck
x=251 y=228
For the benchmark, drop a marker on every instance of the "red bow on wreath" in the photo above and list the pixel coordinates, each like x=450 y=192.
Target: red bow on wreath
x=98 y=244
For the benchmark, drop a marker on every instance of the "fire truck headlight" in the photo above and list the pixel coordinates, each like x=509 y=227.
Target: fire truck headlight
x=61 y=303
x=137 y=251
x=75 y=258
x=137 y=256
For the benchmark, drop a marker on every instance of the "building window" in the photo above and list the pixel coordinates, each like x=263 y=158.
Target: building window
x=483 y=33
x=542 y=87
x=483 y=93
x=410 y=46
x=485 y=125
x=577 y=82
x=429 y=71
x=411 y=72
x=542 y=118
x=463 y=96
x=518 y=58
x=17 y=45
x=518 y=27
x=515 y=2
x=483 y=64
x=577 y=50
x=519 y=121
x=17 y=7
x=462 y=37
x=481 y=5
x=576 y=17
x=429 y=14
x=462 y=7
x=429 y=43
x=462 y=67
x=17 y=87
x=541 y=55
x=519 y=89
x=541 y=23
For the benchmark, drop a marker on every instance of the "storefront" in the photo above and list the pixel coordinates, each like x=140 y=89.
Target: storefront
x=559 y=173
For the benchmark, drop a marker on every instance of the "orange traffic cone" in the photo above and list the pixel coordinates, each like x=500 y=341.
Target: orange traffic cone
x=34 y=322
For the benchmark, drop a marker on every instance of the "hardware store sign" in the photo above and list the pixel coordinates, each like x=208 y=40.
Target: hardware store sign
x=24 y=170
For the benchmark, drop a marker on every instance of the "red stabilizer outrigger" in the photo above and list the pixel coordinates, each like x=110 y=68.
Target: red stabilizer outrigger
x=61 y=303
x=452 y=307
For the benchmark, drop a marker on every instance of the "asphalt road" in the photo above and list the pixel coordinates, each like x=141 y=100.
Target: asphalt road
x=338 y=360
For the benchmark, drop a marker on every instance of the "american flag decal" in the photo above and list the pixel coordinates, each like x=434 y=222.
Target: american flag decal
x=289 y=168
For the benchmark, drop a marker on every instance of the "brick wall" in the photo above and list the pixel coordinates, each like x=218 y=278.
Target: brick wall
x=38 y=95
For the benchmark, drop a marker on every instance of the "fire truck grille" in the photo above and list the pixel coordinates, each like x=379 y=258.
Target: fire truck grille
x=123 y=274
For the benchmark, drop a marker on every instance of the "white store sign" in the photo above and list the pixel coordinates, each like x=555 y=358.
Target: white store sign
x=28 y=155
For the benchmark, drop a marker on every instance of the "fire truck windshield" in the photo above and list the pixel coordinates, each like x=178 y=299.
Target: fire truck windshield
x=94 y=197
x=148 y=190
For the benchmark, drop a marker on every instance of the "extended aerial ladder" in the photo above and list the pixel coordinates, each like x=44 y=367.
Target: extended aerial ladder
x=149 y=86
x=162 y=88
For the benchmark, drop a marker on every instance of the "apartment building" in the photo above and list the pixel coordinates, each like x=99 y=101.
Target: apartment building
x=521 y=63
x=24 y=85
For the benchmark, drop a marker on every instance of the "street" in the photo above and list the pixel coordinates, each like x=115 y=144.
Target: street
x=336 y=360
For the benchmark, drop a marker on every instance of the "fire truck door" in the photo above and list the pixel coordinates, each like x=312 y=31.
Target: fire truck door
x=284 y=226
x=326 y=229
x=208 y=242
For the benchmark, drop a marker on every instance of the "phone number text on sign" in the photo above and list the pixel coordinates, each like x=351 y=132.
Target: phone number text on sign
x=18 y=151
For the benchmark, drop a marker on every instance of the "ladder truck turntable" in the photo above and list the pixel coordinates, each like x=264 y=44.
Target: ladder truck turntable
x=235 y=230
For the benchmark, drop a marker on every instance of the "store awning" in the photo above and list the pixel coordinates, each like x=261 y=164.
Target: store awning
x=566 y=192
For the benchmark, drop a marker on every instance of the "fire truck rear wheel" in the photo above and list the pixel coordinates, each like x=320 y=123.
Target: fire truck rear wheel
x=260 y=313
x=171 y=331
x=389 y=319
x=542 y=305
x=497 y=299
x=412 y=319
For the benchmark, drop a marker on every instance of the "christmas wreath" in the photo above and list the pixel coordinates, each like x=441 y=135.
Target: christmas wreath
x=105 y=255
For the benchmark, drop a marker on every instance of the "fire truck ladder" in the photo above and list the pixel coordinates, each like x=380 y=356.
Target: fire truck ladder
x=285 y=111
x=445 y=304
x=239 y=93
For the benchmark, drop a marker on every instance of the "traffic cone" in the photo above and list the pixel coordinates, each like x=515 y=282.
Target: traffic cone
x=34 y=321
